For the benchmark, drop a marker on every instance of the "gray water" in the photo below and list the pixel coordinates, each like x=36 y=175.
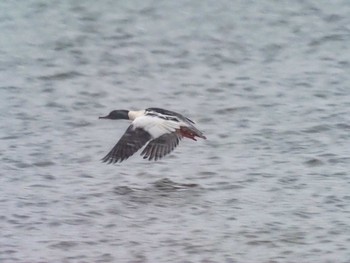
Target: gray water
x=268 y=82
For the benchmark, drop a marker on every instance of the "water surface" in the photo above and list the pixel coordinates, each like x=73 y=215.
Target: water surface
x=268 y=84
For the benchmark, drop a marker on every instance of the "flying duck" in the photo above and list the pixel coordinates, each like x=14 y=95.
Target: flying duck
x=160 y=129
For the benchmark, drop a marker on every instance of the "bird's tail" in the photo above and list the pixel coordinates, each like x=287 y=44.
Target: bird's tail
x=189 y=132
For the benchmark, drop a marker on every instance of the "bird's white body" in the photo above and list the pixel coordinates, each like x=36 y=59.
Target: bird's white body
x=135 y=114
x=156 y=127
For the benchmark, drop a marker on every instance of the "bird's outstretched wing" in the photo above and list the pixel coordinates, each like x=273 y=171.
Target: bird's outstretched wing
x=132 y=140
x=161 y=146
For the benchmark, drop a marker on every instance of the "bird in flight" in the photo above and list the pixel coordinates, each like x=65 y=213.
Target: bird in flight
x=160 y=129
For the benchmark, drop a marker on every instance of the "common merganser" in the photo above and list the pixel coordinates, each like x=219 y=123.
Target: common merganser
x=160 y=129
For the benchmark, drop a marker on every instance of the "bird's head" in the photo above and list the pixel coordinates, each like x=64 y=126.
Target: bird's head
x=117 y=115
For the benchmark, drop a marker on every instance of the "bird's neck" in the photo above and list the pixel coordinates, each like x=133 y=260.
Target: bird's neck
x=134 y=114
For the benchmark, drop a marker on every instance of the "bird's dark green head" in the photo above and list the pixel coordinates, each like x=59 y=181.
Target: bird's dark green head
x=117 y=115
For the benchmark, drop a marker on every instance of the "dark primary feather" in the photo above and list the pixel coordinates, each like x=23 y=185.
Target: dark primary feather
x=161 y=146
x=129 y=143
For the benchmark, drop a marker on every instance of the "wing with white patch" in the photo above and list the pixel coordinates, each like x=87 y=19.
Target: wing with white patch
x=132 y=140
x=155 y=126
x=161 y=146
x=167 y=114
